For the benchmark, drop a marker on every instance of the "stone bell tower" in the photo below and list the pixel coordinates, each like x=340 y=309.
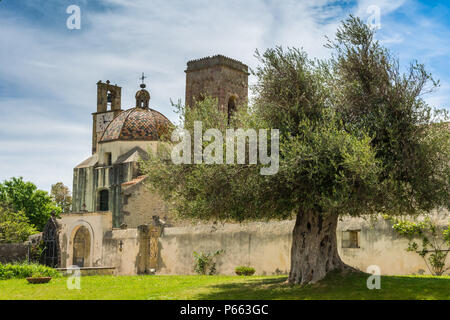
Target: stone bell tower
x=219 y=77
x=108 y=106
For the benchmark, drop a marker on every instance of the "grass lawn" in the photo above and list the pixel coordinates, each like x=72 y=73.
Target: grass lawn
x=335 y=286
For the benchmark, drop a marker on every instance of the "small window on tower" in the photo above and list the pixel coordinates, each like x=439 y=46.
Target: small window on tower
x=231 y=107
x=108 y=158
x=350 y=239
x=109 y=100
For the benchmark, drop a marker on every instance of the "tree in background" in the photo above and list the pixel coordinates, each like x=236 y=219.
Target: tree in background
x=37 y=205
x=14 y=226
x=61 y=196
x=355 y=139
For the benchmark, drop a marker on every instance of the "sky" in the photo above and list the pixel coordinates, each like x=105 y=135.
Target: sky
x=48 y=72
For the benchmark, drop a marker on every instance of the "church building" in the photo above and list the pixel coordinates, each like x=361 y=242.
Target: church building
x=109 y=194
x=118 y=226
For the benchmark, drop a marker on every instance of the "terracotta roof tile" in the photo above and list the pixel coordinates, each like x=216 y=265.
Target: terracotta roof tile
x=136 y=124
x=134 y=181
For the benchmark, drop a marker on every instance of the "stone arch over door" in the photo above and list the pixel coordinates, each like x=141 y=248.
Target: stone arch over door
x=81 y=244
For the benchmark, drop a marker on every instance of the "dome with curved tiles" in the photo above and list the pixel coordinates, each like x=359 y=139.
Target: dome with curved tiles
x=137 y=124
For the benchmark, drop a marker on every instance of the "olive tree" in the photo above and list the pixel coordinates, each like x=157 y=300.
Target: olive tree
x=355 y=138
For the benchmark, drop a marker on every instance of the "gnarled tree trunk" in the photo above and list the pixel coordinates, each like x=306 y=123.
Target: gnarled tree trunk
x=314 y=248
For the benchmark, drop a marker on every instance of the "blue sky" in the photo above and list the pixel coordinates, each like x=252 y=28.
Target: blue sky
x=48 y=73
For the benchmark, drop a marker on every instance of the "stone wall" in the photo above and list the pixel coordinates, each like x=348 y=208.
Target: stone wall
x=266 y=247
x=263 y=245
x=380 y=245
x=13 y=252
x=127 y=250
x=121 y=250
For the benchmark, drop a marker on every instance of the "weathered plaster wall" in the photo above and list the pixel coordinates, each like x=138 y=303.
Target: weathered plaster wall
x=381 y=246
x=266 y=247
x=263 y=245
x=121 y=250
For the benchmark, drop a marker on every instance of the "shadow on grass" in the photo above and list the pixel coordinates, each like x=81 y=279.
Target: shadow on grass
x=249 y=290
x=335 y=286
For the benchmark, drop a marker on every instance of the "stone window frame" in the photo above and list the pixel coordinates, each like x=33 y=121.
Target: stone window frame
x=351 y=239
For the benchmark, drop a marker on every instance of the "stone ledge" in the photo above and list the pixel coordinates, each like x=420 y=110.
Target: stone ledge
x=217 y=60
x=90 y=271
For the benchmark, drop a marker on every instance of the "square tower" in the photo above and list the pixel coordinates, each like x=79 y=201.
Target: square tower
x=219 y=77
x=108 y=106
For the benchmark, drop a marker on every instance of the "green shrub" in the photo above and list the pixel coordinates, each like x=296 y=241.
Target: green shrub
x=244 y=271
x=204 y=262
x=25 y=270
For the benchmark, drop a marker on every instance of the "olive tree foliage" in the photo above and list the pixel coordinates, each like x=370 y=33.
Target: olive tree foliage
x=355 y=139
x=370 y=93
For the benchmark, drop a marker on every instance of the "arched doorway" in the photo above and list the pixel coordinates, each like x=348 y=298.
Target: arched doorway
x=81 y=247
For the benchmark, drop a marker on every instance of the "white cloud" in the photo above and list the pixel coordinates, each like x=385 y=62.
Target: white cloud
x=53 y=71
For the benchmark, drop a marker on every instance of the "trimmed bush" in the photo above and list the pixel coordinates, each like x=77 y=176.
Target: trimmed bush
x=25 y=270
x=244 y=271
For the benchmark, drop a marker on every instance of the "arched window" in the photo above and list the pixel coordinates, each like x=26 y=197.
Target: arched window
x=103 y=200
x=231 y=107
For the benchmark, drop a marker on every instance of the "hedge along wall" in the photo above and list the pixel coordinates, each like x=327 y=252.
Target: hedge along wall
x=12 y=252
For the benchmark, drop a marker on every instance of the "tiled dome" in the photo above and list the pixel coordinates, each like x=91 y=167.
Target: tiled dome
x=143 y=124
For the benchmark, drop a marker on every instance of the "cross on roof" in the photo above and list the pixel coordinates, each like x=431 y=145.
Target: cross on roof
x=142 y=77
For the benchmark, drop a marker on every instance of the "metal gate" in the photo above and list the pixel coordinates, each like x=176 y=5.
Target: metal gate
x=50 y=244
x=49 y=255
